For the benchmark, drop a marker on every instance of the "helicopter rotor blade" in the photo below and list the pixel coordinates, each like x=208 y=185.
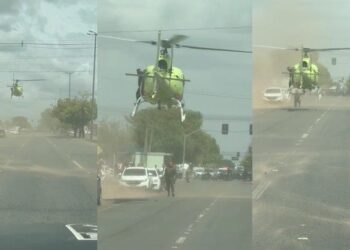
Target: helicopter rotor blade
x=213 y=49
x=327 y=49
x=128 y=39
x=174 y=40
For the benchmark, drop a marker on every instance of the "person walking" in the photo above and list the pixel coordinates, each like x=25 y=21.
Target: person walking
x=170 y=175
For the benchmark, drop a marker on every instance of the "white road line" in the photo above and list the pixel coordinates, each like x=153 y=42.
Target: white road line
x=181 y=240
x=303 y=238
x=257 y=193
x=304 y=136
x=77 y=164
x=317 y=121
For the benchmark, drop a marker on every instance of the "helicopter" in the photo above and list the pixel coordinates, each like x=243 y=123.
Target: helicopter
x=17 y=89
x=162 y=83
x=305 y=75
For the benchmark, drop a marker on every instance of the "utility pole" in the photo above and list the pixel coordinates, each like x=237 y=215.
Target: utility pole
x=69 y=83
x=184 y=145
x=93 y=84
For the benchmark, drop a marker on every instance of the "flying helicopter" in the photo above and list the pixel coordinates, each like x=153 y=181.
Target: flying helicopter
x=305 y=74
x=162 y=83
x=17 y=89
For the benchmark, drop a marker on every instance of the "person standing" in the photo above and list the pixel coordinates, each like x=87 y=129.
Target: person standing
x=170 y=175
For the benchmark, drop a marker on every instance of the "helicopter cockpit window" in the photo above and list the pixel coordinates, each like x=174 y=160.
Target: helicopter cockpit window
x=162 y=64
x=304 y=64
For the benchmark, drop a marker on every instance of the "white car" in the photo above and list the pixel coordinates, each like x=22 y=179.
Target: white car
x=136 y=177
x=276 y=94
x=154 y=175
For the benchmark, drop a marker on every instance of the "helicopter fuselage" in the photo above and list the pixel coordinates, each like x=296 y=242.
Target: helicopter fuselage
x=17 y=90
x=170 y=84
x=304 y=76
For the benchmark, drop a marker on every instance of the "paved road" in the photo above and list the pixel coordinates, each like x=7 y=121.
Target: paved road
x=45 y=184
x=204 y=215
x=301 y=192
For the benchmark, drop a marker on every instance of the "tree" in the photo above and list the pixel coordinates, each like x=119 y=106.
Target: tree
x=162 y=131
x=247 y=162
x=115 y=139
x=49 y=122
x=75 y=112
x=21 y=122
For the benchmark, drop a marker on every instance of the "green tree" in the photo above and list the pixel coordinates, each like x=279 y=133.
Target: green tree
x=21 y=121
x=77 y=113
x=49 y=122
x=247 y=162
x=163 y=132
x=115 y=139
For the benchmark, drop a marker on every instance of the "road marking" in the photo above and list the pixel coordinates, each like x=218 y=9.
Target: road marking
x=275 y=170
x=318 y=120
x=303 y=238
x=86 y=231
x=181 y=240
x=260 y=190
x=304 y=136
x=77 y=164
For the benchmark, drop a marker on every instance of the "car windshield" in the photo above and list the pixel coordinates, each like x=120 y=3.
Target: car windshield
x=134 y=172
x=273 y=91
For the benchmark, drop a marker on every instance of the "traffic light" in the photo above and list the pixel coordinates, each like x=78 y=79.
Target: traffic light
x=251 y=129
x=224 y=129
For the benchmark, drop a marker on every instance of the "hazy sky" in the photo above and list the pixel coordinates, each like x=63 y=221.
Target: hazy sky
x=44 y=21
x=220 y=82
x=308 y=23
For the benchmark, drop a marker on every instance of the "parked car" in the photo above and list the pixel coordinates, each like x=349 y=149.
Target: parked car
x=156 y=179
x=225 y=173
x=136 y=177
x=276 y=94
x=198 y=172
x=209 y=174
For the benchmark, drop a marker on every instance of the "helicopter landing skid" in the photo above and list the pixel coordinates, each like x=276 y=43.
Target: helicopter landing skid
x=179 y=105
x=136 y=106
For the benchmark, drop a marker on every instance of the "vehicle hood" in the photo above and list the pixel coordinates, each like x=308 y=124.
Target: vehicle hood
x=134 y=178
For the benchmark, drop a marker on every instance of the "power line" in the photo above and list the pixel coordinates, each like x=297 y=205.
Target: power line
x=44 y=57
x=218 y=95
x=43 y=71
x=226 y=117
x=47 y=44
x=180 y=29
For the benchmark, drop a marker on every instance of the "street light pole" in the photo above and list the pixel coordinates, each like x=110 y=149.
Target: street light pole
x=184 y=145
x=69 y=83
x=93 y=84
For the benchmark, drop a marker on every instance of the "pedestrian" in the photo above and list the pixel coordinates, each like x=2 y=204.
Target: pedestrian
x=99 y=190
x=170 y=175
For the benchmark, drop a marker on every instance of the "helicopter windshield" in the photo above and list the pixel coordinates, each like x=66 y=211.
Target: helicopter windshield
x=162 y=64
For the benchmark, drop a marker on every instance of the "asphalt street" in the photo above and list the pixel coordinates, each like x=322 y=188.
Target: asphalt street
x=301 y=191
x=203 y=215
x=47 y=184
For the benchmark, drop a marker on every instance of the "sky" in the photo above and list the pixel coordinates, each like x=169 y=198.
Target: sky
x=307 y=23
x=44 y=21
x=220 y=86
